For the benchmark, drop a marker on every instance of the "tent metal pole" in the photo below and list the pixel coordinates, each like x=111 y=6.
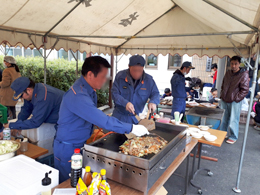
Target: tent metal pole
x=244 y=59
x=237 y=189
x=160 y=36
x=63 y=18
x=44 y=54
x=116 y=61
x=76 y=58
x=34 y=44
x=77 y=64
x=150 y=48
x=52 y=48
x=231 y=15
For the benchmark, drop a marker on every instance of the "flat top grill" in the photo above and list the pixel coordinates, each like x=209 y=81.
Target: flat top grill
x=115 y=140
x=109 y=146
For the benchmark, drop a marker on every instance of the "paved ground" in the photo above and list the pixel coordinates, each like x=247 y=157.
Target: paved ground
x=225 y=170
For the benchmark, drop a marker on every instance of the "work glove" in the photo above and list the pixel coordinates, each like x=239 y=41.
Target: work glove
x=130 y=108
x=187 y=78
x=151 y=107
x=139 y=130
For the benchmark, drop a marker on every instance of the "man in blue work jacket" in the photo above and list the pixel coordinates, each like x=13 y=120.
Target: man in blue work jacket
x=79 y=112
x=131 y=90
x=40 y=100
x=178 y=88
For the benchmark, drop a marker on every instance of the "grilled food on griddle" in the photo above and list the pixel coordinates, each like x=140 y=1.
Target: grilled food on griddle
x=140 y=146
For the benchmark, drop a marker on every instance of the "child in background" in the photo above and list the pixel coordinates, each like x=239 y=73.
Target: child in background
x=256 y=109
x=167 y=93
x=214 y=94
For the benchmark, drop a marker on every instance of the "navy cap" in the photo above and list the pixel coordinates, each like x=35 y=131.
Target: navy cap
x=187 y=65
x=136 y=60
x=19 y=86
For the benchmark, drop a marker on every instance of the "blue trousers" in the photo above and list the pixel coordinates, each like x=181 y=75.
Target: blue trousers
x=231 y=118
x=178 y=104
x=62 y=156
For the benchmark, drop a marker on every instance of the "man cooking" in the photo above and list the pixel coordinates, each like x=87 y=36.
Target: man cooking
x=178 y=88
x=79 y=112
x=40 y=100
x=131 y=90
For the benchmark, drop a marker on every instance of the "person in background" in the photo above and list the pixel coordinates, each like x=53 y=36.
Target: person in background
x=235 y=87
x=256 y=109
x=131 y=90
x=40 y=100
x=10 y=73
x=214 y=74
x=251 y=72
x=178 y=88
x=79 y=113
x=214 y=94
x=167 y=93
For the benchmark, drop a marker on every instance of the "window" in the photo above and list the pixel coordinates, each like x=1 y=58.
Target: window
x=63 y=54
x=28 y=52
x=175 y=61
x=37 y=53
x=17 y=51
x=151 y=61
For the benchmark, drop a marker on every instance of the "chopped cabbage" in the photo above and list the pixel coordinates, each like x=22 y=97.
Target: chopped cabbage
x=7 y=147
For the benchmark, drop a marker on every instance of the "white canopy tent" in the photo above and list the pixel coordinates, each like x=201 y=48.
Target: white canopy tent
x=202 y=27
x=131 y=26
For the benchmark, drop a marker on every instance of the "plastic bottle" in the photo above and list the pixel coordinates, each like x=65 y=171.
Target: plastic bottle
x=104 y=188
x=88 y=176
x=76 y=167
x=103 y=173
x=46 y=185
x=6 y=134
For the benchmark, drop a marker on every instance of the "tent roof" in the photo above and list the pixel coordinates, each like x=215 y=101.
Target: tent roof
x=132 y=26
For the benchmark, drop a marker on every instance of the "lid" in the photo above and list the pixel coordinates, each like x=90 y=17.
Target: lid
x=87 y=168
x=77 y=150
x=103 y=172
x=152 y=116
x=46 y=180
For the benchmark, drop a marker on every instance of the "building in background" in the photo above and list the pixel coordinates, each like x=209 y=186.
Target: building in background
x=160 y=67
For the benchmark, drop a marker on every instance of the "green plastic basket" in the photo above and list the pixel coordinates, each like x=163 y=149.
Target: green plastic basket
x=3 y=114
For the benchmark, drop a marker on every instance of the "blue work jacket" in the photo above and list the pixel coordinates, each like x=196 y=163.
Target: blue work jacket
x=79 y=112
x=123 y=92
x=178 y=85
x=44 y=107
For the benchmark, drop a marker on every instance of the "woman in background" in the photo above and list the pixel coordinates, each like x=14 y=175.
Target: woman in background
x=10 y=73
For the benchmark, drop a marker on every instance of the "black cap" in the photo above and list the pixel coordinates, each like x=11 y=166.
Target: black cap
x=46 y=180
x=167 y=90
x=136 y=60
x=187 y=65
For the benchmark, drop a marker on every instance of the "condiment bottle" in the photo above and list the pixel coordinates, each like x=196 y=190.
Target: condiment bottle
x=76 y=167
x=103 y=173
x=46 y=183
x=88 y=176
x=6 y=134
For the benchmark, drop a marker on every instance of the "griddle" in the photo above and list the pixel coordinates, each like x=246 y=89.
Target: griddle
x=137 y=172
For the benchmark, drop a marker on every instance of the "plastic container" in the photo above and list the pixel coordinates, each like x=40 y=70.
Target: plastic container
x=46 y=185
x=76 y=167
x=7 y=134
x=24 y=145
x=23 y=175
x=87 y=176
x=164 y=120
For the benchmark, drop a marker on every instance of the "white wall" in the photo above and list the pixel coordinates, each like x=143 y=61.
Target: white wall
x=162 y=76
